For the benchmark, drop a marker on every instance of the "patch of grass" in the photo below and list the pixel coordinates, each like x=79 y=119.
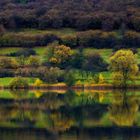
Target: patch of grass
x=5 y=94
x=40 y=50
x=4 y=51
x=6 y=80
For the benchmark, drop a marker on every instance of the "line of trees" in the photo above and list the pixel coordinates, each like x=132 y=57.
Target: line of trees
x=90 y=38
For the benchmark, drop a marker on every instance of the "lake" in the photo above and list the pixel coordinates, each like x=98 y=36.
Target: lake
x=71 y=115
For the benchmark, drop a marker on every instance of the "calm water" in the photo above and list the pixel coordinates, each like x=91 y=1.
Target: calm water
x=40 y=115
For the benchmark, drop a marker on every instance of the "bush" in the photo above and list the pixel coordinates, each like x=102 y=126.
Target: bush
x=34 y=61
x=27 y=72
x=22 y=61
x=6 y=62
x=51 y=75
x=95 y=63
x=38 y=83
x=18 y=83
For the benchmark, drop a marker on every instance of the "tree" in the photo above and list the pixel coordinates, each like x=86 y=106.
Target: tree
x=101 y=79
x=60 y=54
x=69 y=78
x=94 y=62
x=19 y=82
x=124 y=67
x=77 y=59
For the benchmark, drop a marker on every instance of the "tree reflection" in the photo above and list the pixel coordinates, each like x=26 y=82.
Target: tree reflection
x=19 y=94
x=60 y=122
x=124 y=109
x=51 y=101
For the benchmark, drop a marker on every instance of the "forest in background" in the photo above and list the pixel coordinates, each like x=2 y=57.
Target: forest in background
x=79 y=14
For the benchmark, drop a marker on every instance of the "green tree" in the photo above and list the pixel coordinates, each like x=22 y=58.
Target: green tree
x=69 y=78
x=124 y=67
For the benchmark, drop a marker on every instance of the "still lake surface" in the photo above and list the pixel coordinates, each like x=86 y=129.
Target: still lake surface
x=59 y=115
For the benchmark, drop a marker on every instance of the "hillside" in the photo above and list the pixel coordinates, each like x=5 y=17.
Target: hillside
x=79 y=14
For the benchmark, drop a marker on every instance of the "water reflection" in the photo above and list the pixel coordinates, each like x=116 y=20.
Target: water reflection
x=124 y=109
x=72 y=114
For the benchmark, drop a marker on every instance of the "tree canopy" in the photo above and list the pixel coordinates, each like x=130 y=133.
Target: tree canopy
x=124 y=67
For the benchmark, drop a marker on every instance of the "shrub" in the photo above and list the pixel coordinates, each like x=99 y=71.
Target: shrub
x=101 y=79
x=21 y=60
x=27 y=72
x=6 y=62
x=49 y=75
x=38 y=83
x=18 y=83
x=34 y=61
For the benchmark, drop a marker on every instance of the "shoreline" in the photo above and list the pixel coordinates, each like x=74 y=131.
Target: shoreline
x=75 y=87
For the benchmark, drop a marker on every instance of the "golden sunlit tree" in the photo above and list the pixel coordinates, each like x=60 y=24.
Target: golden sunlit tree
x=60 y=54
x=124 y=67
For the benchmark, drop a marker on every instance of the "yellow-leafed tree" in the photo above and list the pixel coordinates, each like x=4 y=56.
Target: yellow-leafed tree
x=124 y=67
